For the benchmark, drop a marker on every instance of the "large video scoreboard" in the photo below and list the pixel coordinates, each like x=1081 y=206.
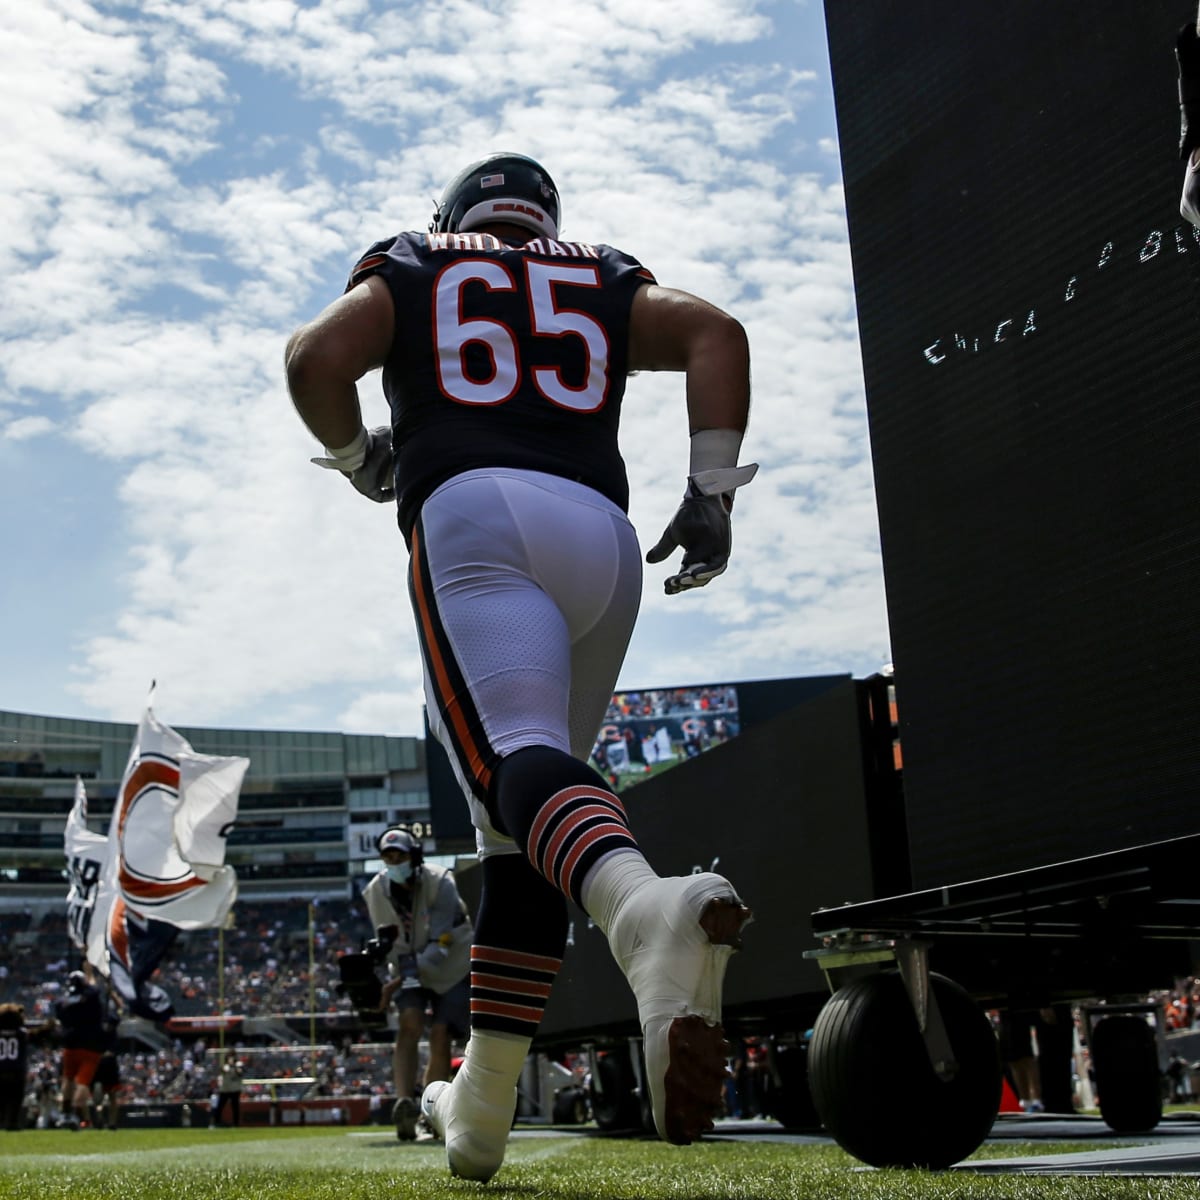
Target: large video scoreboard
x=654 y=729
x=1029 y=310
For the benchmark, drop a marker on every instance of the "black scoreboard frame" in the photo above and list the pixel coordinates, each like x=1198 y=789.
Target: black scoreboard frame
x=1029 y=311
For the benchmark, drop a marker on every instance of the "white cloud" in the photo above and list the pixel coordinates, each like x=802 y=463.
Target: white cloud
x=384 y=712
x=188 y=80
x=23 y=428
x=171 y=227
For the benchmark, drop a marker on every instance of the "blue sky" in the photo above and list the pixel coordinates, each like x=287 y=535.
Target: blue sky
x=186 y=183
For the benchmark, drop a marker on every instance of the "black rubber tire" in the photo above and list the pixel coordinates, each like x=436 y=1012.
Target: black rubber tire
x=615 y=1104
x=1128 y=1079
x=875 y=1089
x=790 y=1100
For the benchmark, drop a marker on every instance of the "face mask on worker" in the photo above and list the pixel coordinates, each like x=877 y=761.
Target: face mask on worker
x=400 y=872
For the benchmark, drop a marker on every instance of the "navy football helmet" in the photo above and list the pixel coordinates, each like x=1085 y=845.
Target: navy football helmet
x=502 y=187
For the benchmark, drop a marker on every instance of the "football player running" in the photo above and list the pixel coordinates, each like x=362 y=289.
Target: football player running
x=505 y=350
x=1187 y=54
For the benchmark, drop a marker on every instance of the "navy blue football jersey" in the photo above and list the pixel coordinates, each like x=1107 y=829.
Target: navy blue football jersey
x=504 y=356
x=80 y=1016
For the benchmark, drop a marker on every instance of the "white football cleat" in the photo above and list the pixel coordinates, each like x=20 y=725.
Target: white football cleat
x=673 y=938
x=475 y=1132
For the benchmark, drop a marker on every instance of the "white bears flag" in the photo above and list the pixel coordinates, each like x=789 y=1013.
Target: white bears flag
x=162 y=866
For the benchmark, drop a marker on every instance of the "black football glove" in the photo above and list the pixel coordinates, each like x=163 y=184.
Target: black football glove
x=374 y=476
x=701 y=526
x=1187 y=53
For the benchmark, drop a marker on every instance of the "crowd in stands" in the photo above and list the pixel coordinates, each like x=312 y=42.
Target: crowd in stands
x=265 y=959
x=1181 y=1004
x=189 y=1070
x=671 y=702
x=258 y=967
x=266 y=971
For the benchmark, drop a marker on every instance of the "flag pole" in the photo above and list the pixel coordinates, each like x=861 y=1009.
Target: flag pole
x=312 y=987
x=221 y=987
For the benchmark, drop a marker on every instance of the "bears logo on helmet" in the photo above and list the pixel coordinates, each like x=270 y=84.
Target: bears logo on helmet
x=511 y=188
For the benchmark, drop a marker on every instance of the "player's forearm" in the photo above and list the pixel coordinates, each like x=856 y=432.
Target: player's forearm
x=333 y=417
x=323 y=390
x=718 y=378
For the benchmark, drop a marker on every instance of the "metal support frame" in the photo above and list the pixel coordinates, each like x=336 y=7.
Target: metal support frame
x=597 y=1080
x=913 y=959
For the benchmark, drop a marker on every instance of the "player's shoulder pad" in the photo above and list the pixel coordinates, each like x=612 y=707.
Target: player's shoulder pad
x=371 y=260
x=626 y=263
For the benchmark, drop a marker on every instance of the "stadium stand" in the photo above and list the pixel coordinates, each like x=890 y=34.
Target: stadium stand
x=266 y=961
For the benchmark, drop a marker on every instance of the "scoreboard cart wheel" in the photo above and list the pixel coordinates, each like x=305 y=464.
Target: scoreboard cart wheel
x=1125 y=1059
x=875 y=1087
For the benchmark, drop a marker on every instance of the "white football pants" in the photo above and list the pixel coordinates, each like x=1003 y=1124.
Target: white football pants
x=525 y=588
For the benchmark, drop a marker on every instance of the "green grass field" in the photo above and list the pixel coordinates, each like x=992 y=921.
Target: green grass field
x=370 y=1164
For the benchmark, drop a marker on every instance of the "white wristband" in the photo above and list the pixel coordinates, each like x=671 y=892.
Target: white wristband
x=347 y=458
x=723 y=480
x=713 y=449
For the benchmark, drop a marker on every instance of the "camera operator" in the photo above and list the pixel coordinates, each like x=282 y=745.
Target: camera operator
x=422 y=925
x=1187 y=54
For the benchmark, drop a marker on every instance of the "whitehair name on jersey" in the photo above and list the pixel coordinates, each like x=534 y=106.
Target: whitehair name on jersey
x=488 y=241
